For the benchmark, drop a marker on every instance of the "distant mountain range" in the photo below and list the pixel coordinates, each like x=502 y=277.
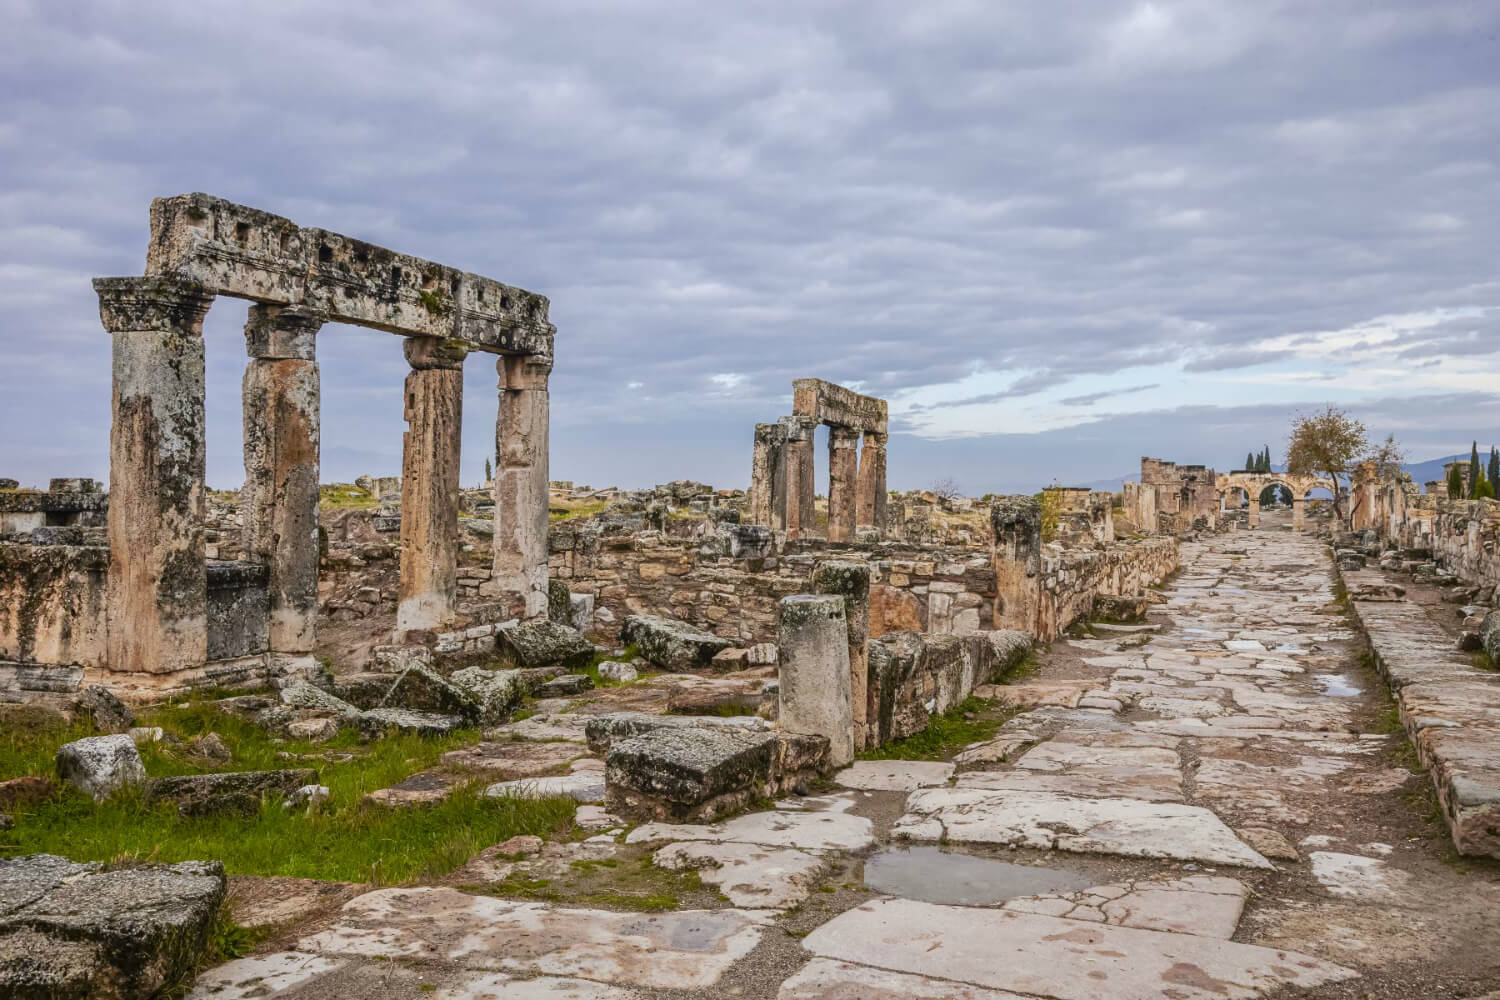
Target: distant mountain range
x=1420 y=472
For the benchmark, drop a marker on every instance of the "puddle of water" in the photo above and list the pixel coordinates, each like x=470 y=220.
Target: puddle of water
x=934 y=875
x=1339 y=685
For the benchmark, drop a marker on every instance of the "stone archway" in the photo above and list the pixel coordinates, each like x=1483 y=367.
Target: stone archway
x=1254 y=485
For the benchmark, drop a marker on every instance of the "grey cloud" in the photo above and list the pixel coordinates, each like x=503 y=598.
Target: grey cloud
x=881 y=192
x=1093 y=397
x=1240 y=358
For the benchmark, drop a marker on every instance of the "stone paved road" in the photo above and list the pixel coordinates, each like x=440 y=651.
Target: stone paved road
x=1213 y=807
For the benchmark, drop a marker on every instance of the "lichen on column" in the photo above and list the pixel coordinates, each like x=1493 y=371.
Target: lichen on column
x=157 y=590
x=843 y=468
x=430 y=483
x=519 y=572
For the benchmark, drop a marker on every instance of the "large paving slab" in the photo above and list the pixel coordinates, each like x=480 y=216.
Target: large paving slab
x=688 y=949
x=825 y=979
x=811 y=830
x=1059 y=958
x=1126 y=827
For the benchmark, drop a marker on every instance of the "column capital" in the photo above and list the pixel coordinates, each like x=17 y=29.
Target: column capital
x=276 y=333
x=162 y=303
x=522 y=372
x=841 y=436
x=424 y=353
x=875 y=439
x=799 y=428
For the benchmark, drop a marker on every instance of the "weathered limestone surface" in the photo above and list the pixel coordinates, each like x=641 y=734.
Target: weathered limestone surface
x=1450 y=711
x=74 y=931
x=873 y=497
x=814 y=696
x=913 y=676
x=843 y=474
x=521 y=437
x=279 y=501
x=692 y=774
x=851 y=581
x=672 y=644
x=429 y=485
x=101 y=765
x=231 y=792
x=157 y=603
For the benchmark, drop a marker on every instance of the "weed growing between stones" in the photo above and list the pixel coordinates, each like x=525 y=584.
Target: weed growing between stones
x=616 y=883
x=342 y=839
x=972 y=721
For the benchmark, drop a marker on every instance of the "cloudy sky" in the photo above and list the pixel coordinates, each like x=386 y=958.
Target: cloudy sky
x=1055 y=236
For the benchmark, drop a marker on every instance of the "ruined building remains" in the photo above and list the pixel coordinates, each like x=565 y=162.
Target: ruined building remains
x=783 y=475
x=169 y=616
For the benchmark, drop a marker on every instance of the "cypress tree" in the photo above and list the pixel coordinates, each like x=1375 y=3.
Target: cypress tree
x=1249 y=462
x=1494 y=466
x=1455 y=484
x=1474 y=470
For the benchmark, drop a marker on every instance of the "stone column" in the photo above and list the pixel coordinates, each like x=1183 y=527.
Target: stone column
x=521 y=477
x=429 y=484
x=801 y=521
x=768 y=477
x=1017 y=558
x=873 y=497
x=280 y=499
x=814 y=695
x=851 y=581
x=1254 y=511
x=843 y=471
x=1298 y=513
x=157 y=597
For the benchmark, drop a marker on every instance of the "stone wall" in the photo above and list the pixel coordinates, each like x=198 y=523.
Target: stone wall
x=912 y=677
x=1071 y=578
x=52 y=604
x=728 y=578
x=1462 y=535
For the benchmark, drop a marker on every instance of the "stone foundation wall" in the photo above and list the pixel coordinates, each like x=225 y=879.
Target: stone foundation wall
x=52 y=603
x=1071 y=578
x=1462 y=535
x=912 y=677
x=728 y=579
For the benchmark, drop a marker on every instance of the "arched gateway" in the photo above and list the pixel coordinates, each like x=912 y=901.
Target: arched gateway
x=1254 y=484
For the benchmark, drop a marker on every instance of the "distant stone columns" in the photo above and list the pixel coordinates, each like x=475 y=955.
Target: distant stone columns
x=429 y=483
x=768 y=477
x=281 y=440
x=801 y=484
x=872 y=495
x=157 y=598
x=1254 y=512
x=1299 y=513
x=521 y=477
x=843 y=473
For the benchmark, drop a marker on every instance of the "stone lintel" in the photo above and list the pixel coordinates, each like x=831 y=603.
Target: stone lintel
x=247 y=253
x=835 y=405
x=166 y=304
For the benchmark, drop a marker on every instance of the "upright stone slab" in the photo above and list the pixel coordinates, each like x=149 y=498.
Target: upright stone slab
x=1255 y=512
x=157 y=592
x=814 y=697
x=843 y=471
x=873 y=498
x=1017 y=558
x=280 y=498
x=429 y=484
x=768 y=477
x=519 y=573
x=1299 y=513
x=851 y=581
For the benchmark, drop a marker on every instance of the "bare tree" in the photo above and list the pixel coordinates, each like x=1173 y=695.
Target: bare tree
x=1389 y=458
x=1329 y=443
x=947 y=489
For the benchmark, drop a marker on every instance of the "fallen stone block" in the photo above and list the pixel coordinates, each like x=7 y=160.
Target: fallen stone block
x=566 y=686
x=230 y=792
x=366 y=689
x=420 y=789
x=76 y=931
x=1121 y=609
x=698 y=774
x=101 y=765
x=379 y=721
x=394 y=659
x=543 y=643
x=424 y=690
x=27 y=791
x=603 y=731
x=613 y=670
x=110 y=714
x=496 y=692
x=299 y=694
x=671 y=644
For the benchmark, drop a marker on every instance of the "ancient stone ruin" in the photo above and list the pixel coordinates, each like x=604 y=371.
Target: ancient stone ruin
x=169 y=615
x=783 y=477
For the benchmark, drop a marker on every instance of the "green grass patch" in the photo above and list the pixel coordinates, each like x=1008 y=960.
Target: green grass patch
x=567 y=510
x=945 y=734
x=628 y=655
x=346 y=496
x=1483 y=661
x=345 y=839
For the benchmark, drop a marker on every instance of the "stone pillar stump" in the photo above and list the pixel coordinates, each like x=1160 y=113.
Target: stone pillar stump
x=814 y=697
